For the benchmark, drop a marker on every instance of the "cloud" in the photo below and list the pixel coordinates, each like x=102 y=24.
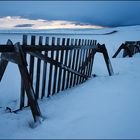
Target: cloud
x=24 y=25
x=17 y=22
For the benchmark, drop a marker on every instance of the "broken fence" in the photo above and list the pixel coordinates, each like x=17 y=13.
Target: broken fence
x=129 y=48
x=61 y=63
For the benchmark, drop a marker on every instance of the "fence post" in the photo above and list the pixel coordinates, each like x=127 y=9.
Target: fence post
x=27 y=83
x=103 y=50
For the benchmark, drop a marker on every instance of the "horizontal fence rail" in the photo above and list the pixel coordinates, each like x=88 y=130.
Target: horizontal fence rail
x=50 y=65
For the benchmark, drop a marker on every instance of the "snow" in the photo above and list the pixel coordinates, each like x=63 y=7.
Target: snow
x=103 y=107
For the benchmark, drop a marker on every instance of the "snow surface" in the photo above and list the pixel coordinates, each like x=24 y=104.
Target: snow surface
x=103 y=107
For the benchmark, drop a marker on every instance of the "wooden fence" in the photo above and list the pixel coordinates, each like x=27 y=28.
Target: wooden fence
x=47 y=69
x=129 y=48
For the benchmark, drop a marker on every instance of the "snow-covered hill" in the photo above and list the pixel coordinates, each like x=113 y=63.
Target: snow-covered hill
x=103 y=107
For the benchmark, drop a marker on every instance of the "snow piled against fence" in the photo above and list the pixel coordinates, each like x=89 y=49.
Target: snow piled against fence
x=103 y=107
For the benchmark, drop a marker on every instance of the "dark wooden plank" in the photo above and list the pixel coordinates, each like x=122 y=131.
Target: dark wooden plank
x=65 y=63
x=44 y=70
x=89 y=59
x=84 y=59
x=80 y=62
x=22 y=90
x=51 y=70
x=56 y=68
x=38 y=71
x=60 y=70
x=76 y=64
x=86 y=62
x=31 y=63
x=83 y=56
x=92 y=58
x=73 y=65
x=69 y=65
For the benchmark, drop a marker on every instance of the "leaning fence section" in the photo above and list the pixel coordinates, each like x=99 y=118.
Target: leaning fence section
x=65 y=63
x=65 y=69
x=50 y=65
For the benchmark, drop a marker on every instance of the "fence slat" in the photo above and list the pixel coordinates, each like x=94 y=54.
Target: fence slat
x=44 y=70
x=84 y=58
x=65 y=63
x=69 y=65
x=73 y=64
x=51 y=70
x=38 y=71
x=92 y=57
x=22 y=91
x=89 y=58
x=31 y=63
x=76 y=64
x=80 y=62
x=60 y=69
x=56 y=68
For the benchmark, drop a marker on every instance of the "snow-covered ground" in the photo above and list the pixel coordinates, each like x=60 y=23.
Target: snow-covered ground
x=103 y=107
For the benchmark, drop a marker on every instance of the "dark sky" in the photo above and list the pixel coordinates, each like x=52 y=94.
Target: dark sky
x=104 y=13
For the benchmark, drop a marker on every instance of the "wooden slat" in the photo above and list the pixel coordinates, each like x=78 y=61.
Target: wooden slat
x=69 y=65
x=31 y=64
x=38 y=71
x=44 y=70
x=51 y=70
x=84 y=58
x=60 y=70
x=65 y=63
x=56 y=68
x=80 y=62
x=73 y=65
x=76 y=64
x=89 y=60
x=92 y=58
x=22 y=91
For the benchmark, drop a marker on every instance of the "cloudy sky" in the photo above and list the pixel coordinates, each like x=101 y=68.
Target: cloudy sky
x=68 y=14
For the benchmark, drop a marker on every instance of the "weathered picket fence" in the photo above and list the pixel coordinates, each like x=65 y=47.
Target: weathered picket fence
x=61 y=63
x=130 y=48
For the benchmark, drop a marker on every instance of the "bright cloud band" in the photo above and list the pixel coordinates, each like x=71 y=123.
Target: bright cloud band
x=23 y=23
